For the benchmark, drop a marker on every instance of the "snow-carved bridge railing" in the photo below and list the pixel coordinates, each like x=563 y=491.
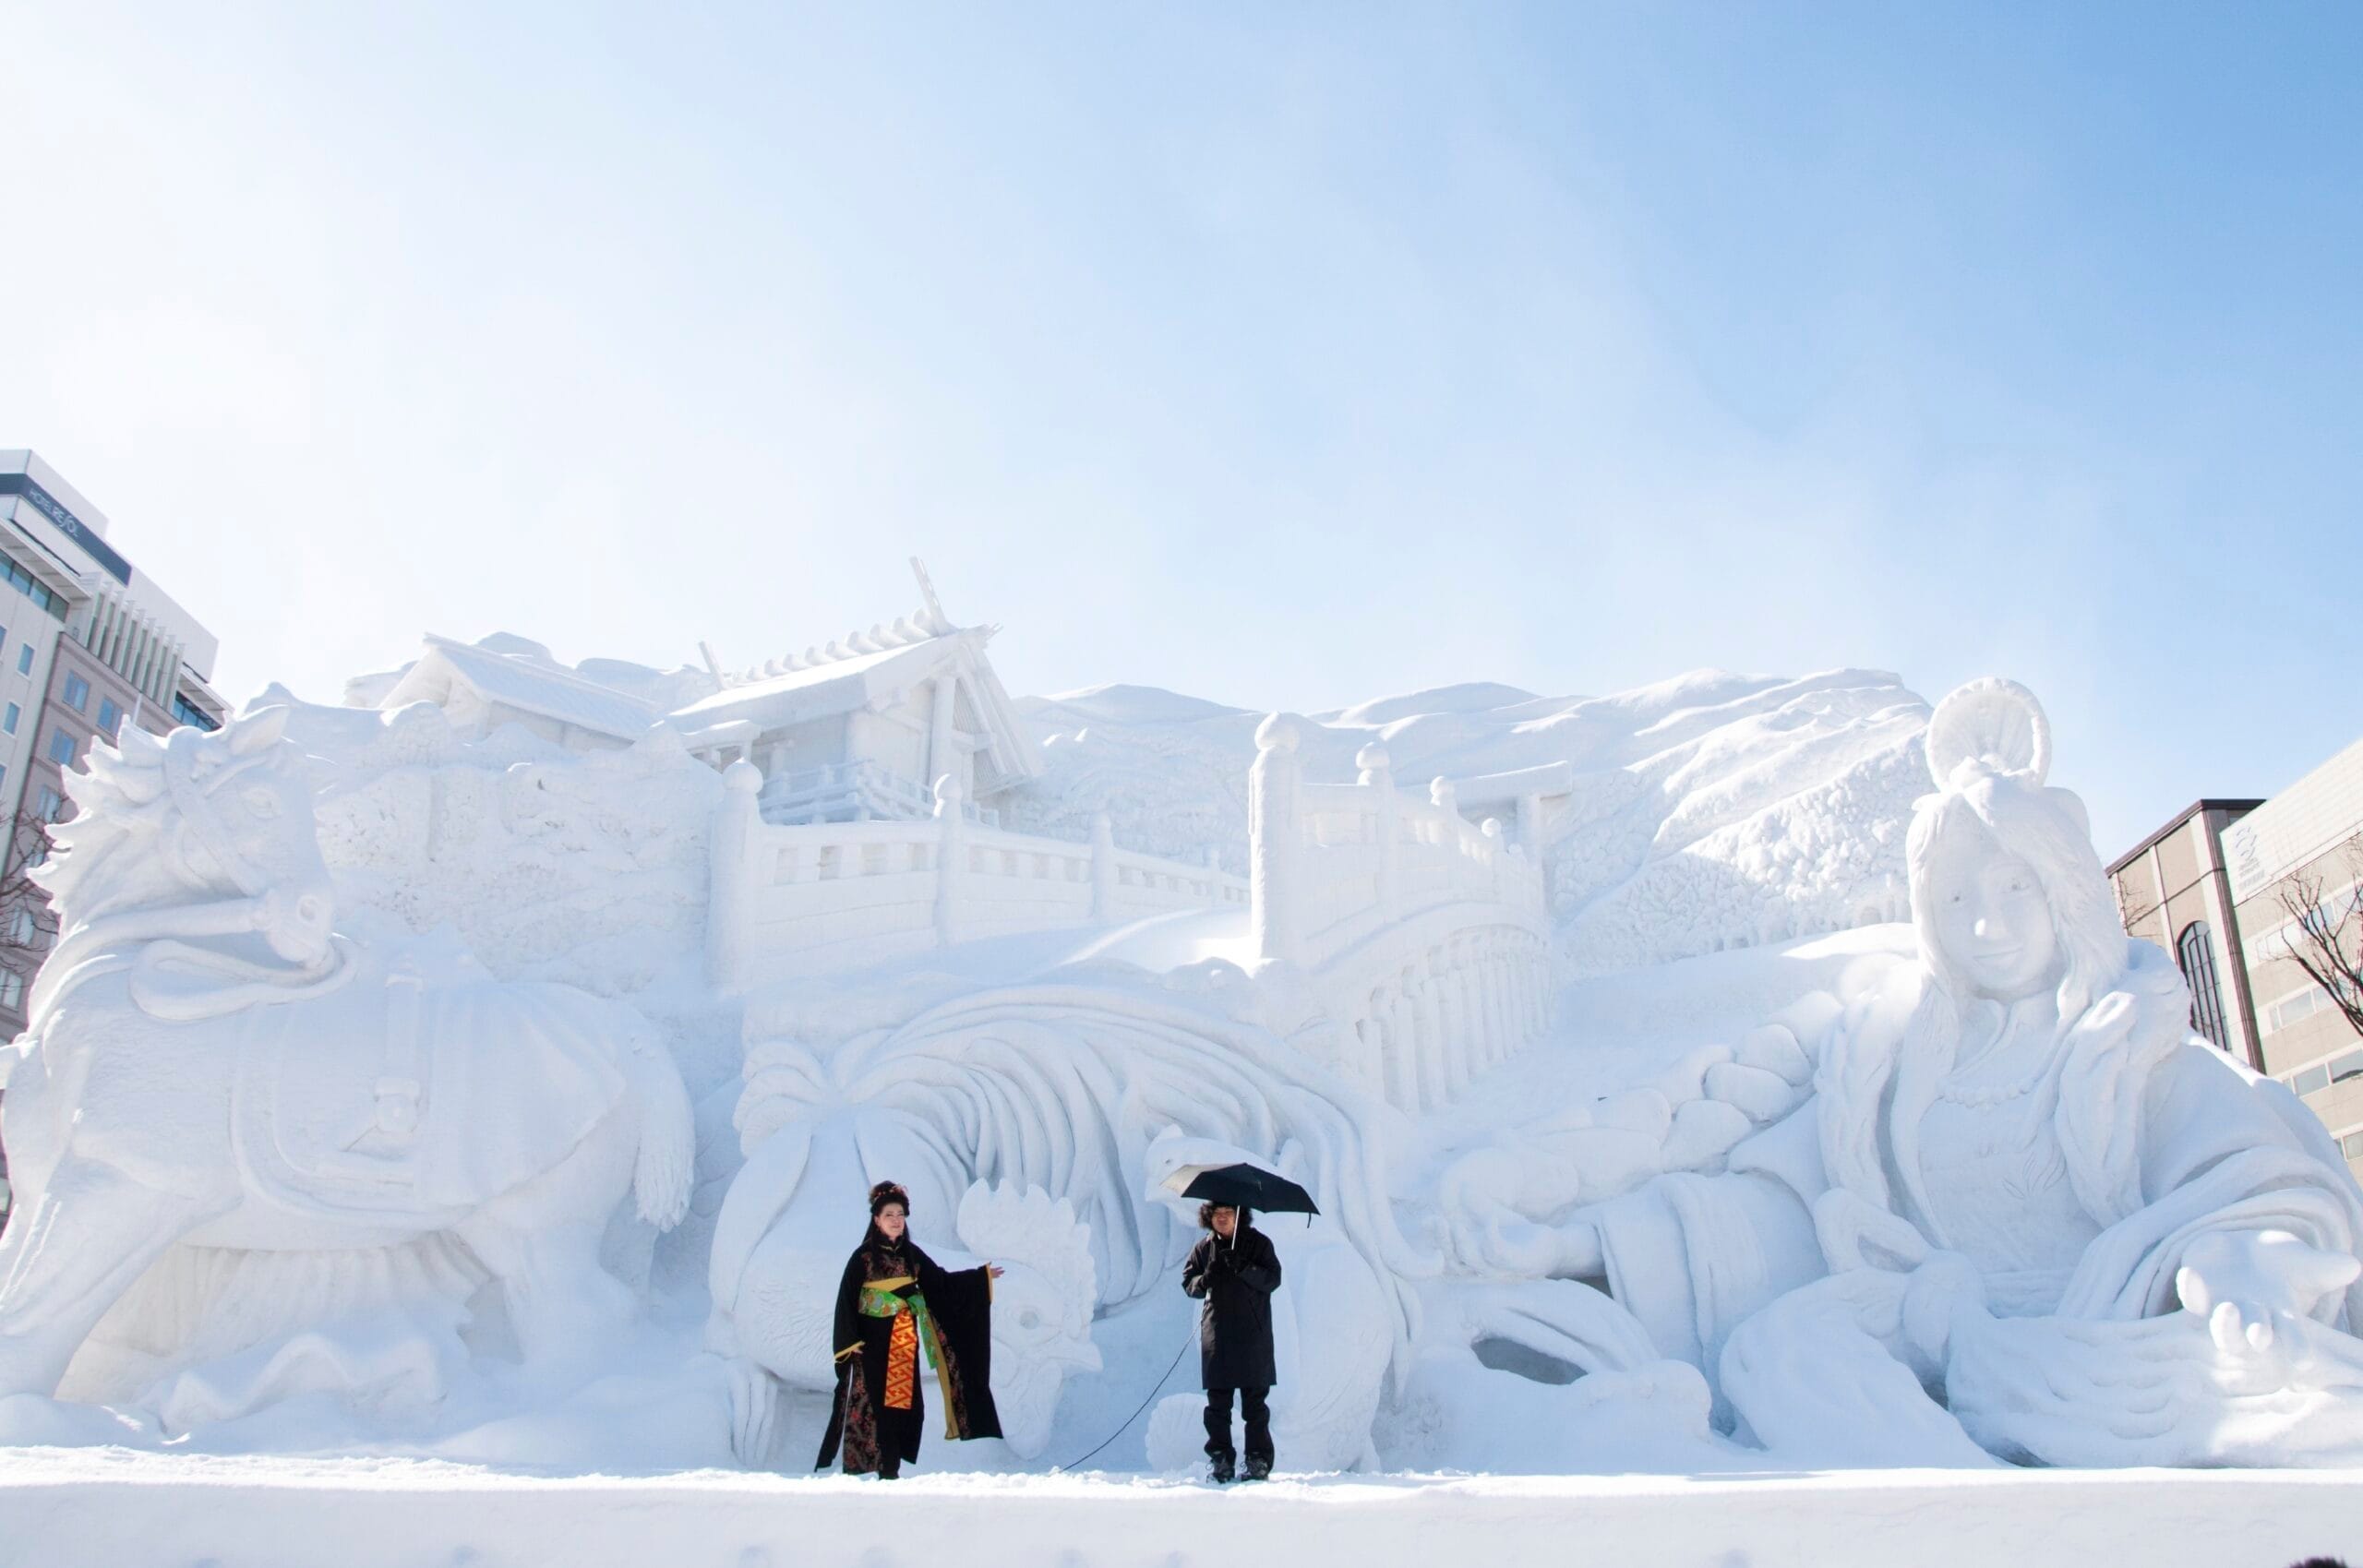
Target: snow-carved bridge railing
x=818 y=896
x=1428 y=937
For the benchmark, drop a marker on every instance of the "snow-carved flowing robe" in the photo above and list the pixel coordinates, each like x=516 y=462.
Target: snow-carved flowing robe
x=2154 y=1139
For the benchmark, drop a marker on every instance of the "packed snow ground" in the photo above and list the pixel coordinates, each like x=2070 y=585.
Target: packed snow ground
x=69 y=1508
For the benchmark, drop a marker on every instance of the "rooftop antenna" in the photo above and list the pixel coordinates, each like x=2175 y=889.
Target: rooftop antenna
x=937 y=622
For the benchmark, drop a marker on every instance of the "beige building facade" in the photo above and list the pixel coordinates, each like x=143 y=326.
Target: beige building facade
x=2209 y=887
x=2173 y=889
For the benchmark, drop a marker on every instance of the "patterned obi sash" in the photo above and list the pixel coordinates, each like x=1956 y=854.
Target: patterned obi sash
x=898 y=1298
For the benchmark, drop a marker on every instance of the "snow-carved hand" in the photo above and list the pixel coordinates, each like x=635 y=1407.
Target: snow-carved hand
x=2109 y=1021
x=2240 y=1281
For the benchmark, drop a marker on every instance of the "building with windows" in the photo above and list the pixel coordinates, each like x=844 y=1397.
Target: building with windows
x=2213 y=886
x=2172 y=888
x=88 y=644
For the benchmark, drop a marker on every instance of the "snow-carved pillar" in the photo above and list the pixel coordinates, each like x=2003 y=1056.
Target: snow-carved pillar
x=1378 y=774
x=1386 y=1064
x=730 y=886
x=1103 y=869
x=1506 y=989
x=1370 y=1061
x=942 y=757
x=1403 y=1028
x=1457 y=1025
x=1488 y=1006
x=1445 y=798
x=1275 y=845
x=1436 y=1080
x=950 y=857
x=1496 y=973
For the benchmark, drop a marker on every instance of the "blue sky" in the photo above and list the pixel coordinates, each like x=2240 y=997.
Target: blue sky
x=1285 y=355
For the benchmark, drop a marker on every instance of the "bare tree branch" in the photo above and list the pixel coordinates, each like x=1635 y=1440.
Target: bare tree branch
x=26 y=927
x=2327 y=935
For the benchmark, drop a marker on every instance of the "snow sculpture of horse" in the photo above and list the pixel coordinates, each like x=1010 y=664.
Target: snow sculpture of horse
x=1059 y=1086
x=211 y=1072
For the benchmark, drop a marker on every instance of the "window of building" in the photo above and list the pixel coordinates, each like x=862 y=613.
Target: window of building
x=12 y=989
x=2196 y=953
x=188 y=713
x=2351 y=1145
x=2343 y=1068
x=2313 y=1081
x=77 y=692
x=61 y=747
x=24 y=659
x=109 y=716
x=52 y=804
x=9 y=722
x=23 y=928
x=2295 y=1008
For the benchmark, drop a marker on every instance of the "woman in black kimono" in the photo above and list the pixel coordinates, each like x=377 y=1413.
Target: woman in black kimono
x=891 y=1301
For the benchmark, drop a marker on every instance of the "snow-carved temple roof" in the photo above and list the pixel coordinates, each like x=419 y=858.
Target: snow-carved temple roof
x=518 y=680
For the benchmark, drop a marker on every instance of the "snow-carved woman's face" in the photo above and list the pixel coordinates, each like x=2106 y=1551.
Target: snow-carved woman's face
x=1992 y=916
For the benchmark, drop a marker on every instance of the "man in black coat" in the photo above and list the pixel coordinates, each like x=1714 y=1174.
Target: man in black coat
x=1234 y=1270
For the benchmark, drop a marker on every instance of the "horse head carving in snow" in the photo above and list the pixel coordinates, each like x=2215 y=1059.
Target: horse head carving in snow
x=210 y=1068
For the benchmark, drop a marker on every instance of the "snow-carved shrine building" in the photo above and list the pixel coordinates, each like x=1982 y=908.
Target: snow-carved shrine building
x=860 y=728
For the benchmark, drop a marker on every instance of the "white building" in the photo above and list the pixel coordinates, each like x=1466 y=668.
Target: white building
x=858 y=729
x=87 y=645
x=863 y=727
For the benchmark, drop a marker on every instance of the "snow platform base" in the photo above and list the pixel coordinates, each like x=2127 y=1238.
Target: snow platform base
x=64 y=1508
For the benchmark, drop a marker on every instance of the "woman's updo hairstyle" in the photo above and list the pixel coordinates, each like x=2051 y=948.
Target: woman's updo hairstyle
x=887 y=1192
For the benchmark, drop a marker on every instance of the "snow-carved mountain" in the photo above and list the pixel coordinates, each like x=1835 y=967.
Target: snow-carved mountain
x=1709 y=812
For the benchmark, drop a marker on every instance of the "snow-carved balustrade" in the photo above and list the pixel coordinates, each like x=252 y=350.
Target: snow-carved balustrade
x=859 y=791
x=818 y=896
x=1427 y=937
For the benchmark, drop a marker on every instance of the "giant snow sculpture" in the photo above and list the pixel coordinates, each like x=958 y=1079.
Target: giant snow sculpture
x=2021 y=1184
x=229 y=1123
x=1986 y=1197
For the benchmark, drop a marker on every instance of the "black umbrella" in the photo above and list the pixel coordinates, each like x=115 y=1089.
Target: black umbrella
x=1242 y=1187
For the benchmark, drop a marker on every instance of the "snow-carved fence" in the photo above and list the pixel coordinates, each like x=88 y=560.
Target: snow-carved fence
x=818 y=896
x=1427 y=938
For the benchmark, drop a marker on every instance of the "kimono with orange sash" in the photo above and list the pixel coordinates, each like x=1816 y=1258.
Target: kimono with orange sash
x=894 y=1306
